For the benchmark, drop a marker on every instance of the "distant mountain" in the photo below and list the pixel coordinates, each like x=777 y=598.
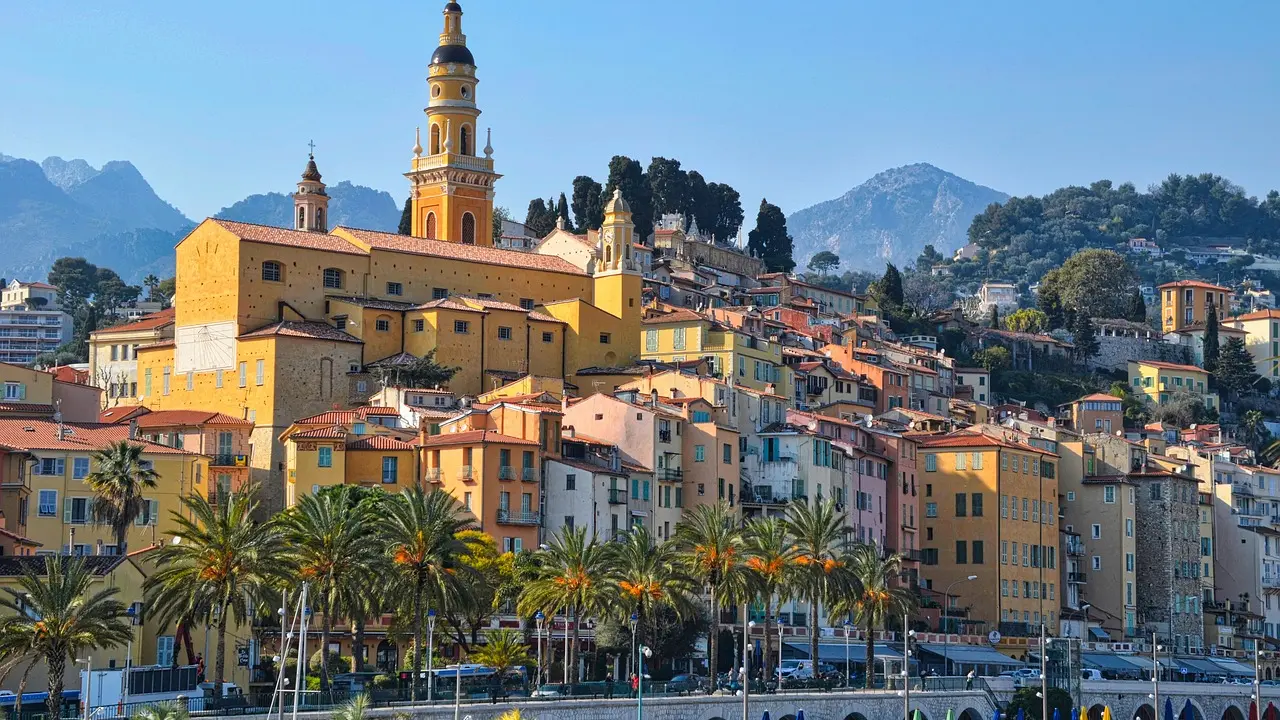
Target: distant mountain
x=891 y=217
x=350 y=205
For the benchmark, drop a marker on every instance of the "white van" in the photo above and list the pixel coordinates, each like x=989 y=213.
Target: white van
x=795 y=670
x=1090 y=674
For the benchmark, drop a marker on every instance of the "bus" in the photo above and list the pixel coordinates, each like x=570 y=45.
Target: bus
x=34 y=706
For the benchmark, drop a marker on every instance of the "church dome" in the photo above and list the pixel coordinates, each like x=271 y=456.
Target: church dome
x=453 y=7
x=616 y=204
x=312 y=172
x=458 y=54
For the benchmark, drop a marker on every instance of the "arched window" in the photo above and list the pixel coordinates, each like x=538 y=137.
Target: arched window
x=333 y=278
x=468 y=229
x=302 y=218
x=320 y=219
x=608 y=255
x=435 y=139
x=271 y=271
x=430 y=230
x=465 y=138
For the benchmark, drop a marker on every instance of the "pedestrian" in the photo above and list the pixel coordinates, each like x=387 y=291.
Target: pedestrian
x=635 y=685
x=199 y=667
x=968 y=679
x=608 y=685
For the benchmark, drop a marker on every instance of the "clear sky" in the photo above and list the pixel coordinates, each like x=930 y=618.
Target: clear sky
x=794 y=100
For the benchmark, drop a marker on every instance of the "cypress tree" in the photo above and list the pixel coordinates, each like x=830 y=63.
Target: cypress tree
x=406 y=217
x=770 y=239
x=1211 y=339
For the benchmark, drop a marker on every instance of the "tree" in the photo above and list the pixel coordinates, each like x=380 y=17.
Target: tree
x=503 y=650
x=221 y=562
x=993 y=359
x=163 y=711
x=993 y=318
x=1182 y=409
x=588 y=203
x=1050 y=303
x=356 y=708
x=726 y=207
x=1234 y=370
x=118 y=485
x=112 y=293
x=562 y=212
x=669 y=187
x=540 y=219
x=648 y=576
x=887 y=291
x=824 y=262
x=332 y=542
x=1084 y=336
x=1027 y=320
x=406 y=218
x=822 y=571
x=151 y=282
x=167 y=289
x=76 y=280
x=423 y=372
x=1027 y=702
x=700 y=206
x=420 y=536
x=57 y=615
x=1137 y=311
x=1097 y=283
x=626 y=174
x=770 y=240
x=574 y=577
x=712 y=545
x=879 y=598
x=1253 y=430
x=771 y=564
x=488 y=584
x=1211 y=338
x=924 y=295
x=499 y=215
x=928 y=257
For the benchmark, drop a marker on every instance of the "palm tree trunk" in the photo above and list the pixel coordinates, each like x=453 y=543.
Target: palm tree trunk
x=417 y=639
x=358 y=651
x=57 y=663
x=813 y=631
x=326 y=627
x=22 y=688
x=768 y=637
x=871 y=657
x=712 y=638
x=573 y=648
x=220 y=666
x=122 y=532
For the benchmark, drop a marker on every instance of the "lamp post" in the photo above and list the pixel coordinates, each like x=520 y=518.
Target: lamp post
x=132 y=612
x=746 y=660
x=946 y=626
x=631 y=661
x=540 y=618
x=1257 y=687
x=906 y=669
x=1155 y=672
x=1044 y=677
x=88 y=685
x=846 y=653
x=431 y=651
x=644 y=653
x=781 y=625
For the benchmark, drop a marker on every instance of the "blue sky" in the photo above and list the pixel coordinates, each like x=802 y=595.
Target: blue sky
x=794 y=101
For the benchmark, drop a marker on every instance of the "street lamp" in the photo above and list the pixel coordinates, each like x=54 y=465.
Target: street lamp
x=906 y=668
x=946 y=627
x=635 y=621
x=847 y=626
x=540 y=618
x=431 y=651
x=746 y=661
x=781 y=624
x=1155 y=671
x=644 y=653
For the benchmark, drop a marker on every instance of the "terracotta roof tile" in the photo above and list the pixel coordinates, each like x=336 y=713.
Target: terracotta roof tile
x=1103 y=397
x=168 y=418
x=1194 y=284
x=1170 y=366
x=373 y=302
x=975 y=439
x=153 y=321
x=457 y=251
x=448 y=304
x=1268 y=314
x=378 y=442
x=341 y=417
x=333 y=432
x=674 y=317
x=470 y=437
x=310 y=330
x=43 y=435
x=120 y=413
x=292 y=238
x=26 y=408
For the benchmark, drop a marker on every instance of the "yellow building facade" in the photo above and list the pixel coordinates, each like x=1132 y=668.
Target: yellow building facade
x=1185 y=303
x=753 y=361
x=1159 y=382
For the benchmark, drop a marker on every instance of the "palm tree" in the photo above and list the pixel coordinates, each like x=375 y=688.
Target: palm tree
x=220 y=563
x=713 y=547
x=420 y=535
x=575 y=574
x=16 y=650
x=163 y=711
x=151 y=282
x=354 y=709
x=771 y=564
x=332 y=541
x=503 y=650
x=878 y=600
x=118 y=484
x=648 y=575
x=56 y=615
x=820 y=540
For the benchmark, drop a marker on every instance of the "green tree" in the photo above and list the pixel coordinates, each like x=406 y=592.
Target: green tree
x=112 y=293
x=423 y=372
x=669 y=187
x=151 y=282
x=406 y=218
x=163 y=711
x=574 y=577
x=1050 y=303
x=879 y=599
x=220 y=563
x=1137 y=311
x=1093 y=282
x=824 y=262
x=1211 y=338
x=487 y=585
x=928 y=257
x=58 y=614
x=1183 y=409
x=1084 y=336
x=562 y=212
x=167 y=289
x=1026 y=701
x=332 y=540
x=770 y=240
x=994 y=359
x=1253 y=430
x=1234 y=369
x=649 y=575
x=588 y=203
x=711 y=542
x=993 y=318
x=700 y=207
x=771 y=567
x=357 y=708
x=76 y=280
x=503 y=650
x=626 y=174
x=822 y=563
x=1028 y=320
x=888 y=291
x=499 y=214
x=540 y=219
x=118 y=485
x=726 y=205
x=420 y=536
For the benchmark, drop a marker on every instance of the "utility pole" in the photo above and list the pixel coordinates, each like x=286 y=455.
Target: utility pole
x=1044 y=676
x=1155 y=672
x=906 y=669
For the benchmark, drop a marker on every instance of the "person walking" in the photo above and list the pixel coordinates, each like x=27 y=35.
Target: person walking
x=608 y=685
x=635 y=684
x=968 y=679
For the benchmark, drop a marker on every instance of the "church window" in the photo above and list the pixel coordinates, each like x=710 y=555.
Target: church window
x=466 y=91
x=320 y=219
x=605 y=338
x=439 y=293
x=468 y=229
x=527 y=304
x=271 y=271
x=504 y=333
x=430 y=230
x=548 y=337
x=333 y=278
x=302 y=218
x=382 y=324
x=461 y=327
x=465 y=137
x=419 y=325
x=435 y=91
x=395 y=288
x=435 y=139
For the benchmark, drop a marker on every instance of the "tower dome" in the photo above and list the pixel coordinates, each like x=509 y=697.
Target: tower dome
x=453 y=44
x=616 y=203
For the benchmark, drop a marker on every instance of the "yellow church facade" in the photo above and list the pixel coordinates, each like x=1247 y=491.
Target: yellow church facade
x=274 y=324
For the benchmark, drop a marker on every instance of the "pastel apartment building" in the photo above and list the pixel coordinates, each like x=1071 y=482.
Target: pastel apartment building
x=31 y=321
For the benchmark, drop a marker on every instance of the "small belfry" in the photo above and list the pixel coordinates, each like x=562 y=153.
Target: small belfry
x=311 y=202
x=450 y=186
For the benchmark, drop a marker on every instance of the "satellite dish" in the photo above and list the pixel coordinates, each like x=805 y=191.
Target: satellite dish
x=993 y=637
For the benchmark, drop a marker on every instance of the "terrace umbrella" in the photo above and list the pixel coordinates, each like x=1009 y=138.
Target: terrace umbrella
x=800 y=715
x=1020 y=715
x=766 y=715
x=996 y=716
x=918 y=715
x=1055 y=714
x=949 y=715
x=1168 y=709
x=1106 y=712
x=1188 y=711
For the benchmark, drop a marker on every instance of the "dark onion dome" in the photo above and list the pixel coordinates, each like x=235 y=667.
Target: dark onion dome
x=453 y=7
x=312 y=172
x=458 y=54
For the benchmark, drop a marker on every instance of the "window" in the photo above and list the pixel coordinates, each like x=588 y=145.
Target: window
x=324 y=456
x=1109 y=494
x=461 y=327
x=79 y=468
x=962 y=552
x=931 y=510
x=395 y=288
x=727 y=455
x=605 y=338
x=930 y=462
x=1128 y=527
x=382 y=325
x=975 y=505
x=699 y=453
x=548 y=337
x=271 y=271
x=651 y=341
x=977 y=552
x=1128 y=562
x=389 y=470
x=1004 y=589
x=439 y=293
x=1095 y=531
x=340 y=322
x=164 y=650
x=75 y=511
x=960 y=457
x=977 y=461
x=961 y=504
x=164 y=384
x=333 y=278
x=1071 y=496
x=1097 y=562
x=571 y=482
x=468 y=228
x=526 y=303
x=466 y=500
x=149 y=513
x=1004 y=506
x=244 y=374
x=48 y=506
x=259 y=372
x=677 y=339
x=504 y=333
x=419 y=325
x=51 y=466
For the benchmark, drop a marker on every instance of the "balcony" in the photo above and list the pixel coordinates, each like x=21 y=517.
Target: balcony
x=1271 y=581
x=764 y=495
x=1018 y=629
x=1076 y=577
x=468 y=162
x=1075 y=549
x=506 y=472
x=431 y=475
x=617 y=496
x=671 y=475
x=518 y=517
x=465 y=473
x=529 y=474
x=229 y=460
x=908 y=555
x=664 y=436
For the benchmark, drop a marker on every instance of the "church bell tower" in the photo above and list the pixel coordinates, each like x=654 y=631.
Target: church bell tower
x=311 y=202
x=451 y=184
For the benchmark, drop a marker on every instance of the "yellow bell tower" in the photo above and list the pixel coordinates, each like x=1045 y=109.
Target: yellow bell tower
x=451 y=186
x=616 y=277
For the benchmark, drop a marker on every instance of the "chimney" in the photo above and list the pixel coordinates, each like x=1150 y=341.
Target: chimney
x=133 y=429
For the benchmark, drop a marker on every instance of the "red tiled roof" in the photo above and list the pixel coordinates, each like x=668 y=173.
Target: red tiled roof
x=147 y=322
x=120 y=413
x=378 y=442
x=457 y=251
x=339 y=417
x=582 y=465
x=589 y=439
x=1170 y=366
x=37 y=284
x=1102 y=397
x=448 y=304
x=973 y=440
x=470 y=437
x=674 y=317
x=333 y=432
x=1194 y=283
x=166 y=418
x=19 y=539
x=1259 y=315
x=26 y=408
x=309 y=330
x=292 y=238
x=378 y=410
x=43 y=435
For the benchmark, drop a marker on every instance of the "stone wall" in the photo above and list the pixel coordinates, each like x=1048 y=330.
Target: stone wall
x=1168 y=544
x=1115 y=351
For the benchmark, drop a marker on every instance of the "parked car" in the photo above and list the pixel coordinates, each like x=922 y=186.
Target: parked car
x=795 y=669
x=549 y=691
x=1090 y=674
x=687 y=684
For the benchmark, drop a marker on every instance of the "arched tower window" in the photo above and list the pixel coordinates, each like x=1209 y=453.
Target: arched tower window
x=608 y=255
x=465 y=138
x=430 y=230
x=320 y=219
x=435 y=139
x=302 y=218
x=468 y=229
